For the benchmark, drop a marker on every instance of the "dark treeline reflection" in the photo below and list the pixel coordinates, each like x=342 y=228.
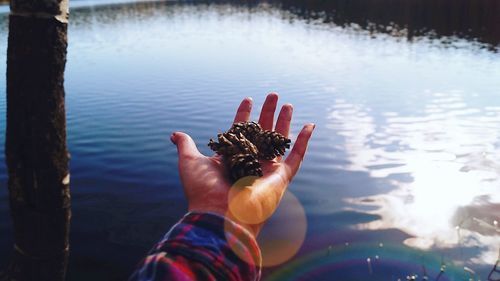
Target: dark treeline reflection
x=474 y=20
x=477 y=20
x=446 y=20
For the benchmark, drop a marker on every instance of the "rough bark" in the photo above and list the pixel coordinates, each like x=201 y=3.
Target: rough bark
x=36 y=151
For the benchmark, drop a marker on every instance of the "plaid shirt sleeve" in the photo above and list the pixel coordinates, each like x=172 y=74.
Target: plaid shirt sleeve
x=202 y=246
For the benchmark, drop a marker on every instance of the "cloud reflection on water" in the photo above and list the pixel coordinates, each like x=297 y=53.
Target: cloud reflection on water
x=444 y=165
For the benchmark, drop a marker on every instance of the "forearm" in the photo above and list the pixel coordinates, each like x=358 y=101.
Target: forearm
x=203 y=246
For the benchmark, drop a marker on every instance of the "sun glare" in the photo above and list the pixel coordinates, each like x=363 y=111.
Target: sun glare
x=451 y=157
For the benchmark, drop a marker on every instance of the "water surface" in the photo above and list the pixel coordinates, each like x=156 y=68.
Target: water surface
x=401 y=176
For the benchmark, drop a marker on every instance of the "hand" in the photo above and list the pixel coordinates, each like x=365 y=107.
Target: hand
x=251 y=200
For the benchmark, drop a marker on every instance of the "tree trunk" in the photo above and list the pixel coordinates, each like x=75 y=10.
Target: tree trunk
x=36 y=152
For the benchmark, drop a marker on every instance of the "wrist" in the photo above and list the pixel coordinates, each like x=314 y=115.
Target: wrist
x=253 y=229
x=208 y=209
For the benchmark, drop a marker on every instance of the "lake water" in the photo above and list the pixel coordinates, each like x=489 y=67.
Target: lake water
x=401 y=176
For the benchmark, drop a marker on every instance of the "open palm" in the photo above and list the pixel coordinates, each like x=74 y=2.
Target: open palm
x=252 y=201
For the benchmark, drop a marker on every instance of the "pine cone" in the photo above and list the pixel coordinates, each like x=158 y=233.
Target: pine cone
x=230 y=144
x=244 y=144
x=271 y=144
x=248 y=129
x=242 y=165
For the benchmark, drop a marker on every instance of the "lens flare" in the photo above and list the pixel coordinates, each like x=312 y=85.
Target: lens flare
x=349 y=262
x=285 y=232
x=250 y=206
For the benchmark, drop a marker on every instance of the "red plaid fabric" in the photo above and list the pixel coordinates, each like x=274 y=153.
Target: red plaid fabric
x=203 y=246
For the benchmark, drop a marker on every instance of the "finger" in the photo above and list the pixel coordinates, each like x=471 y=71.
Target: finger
x=284 y=119
x=296 y=156
x=186 y=148
x=243 y=113
x=267 y=114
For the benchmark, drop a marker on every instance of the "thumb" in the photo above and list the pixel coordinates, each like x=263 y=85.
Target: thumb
x=186 y=148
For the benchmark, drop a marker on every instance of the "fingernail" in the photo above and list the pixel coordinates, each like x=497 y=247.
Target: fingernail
x=172 y=138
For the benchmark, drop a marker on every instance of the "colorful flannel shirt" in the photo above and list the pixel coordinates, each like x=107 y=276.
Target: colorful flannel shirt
x=203 y=246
